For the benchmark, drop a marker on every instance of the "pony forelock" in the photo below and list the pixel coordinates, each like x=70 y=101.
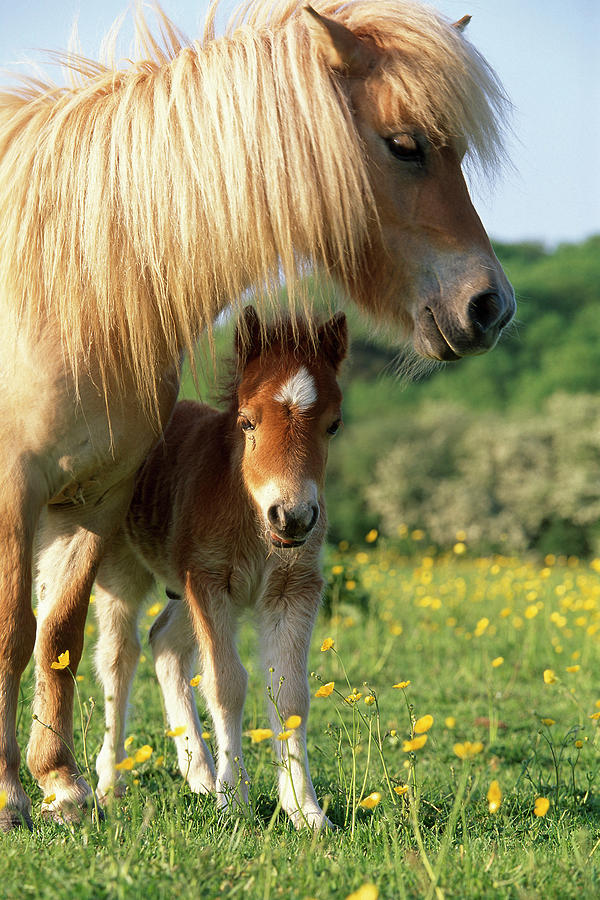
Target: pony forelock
x=139 y=200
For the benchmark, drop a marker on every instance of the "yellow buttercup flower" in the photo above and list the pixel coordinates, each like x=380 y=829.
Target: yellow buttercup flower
x=63 y=661
x=284 y=735
x=494 y=797
x=481 y=626
x=177 y=732
x=371 y=801
x=401 y=685
x=159 y=760
x=354 y=696
x=371 y=536
x=468 y=750
x=143 y=754
x=293 y=721
x=573 y=668
x=125 y=765
x=369 y=699
x=497 y=661
x=337 y=570
x=423 y=724
x=549 y=676
x=49 y=799
x=206 y=735
x=542 y=805
x=415 y=744
x=326 y=689
x=367 y=891
x=195 y=681
x=154 y=609
x=129 y=741
x=3 y=799
x=327 y=644
x=401 y=789
x=548 y=722
x=257 y=735
x=450 y=722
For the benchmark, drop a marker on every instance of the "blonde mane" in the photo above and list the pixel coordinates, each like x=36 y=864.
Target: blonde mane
x=137 y=202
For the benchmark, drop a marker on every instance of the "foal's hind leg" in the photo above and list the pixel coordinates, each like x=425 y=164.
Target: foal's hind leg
x=174 y=647
x=18 y=518
x=122 y=584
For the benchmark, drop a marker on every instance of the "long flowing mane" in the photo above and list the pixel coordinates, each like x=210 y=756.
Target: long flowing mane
x=137 y=202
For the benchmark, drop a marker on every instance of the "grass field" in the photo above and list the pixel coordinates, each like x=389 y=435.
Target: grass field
x=502 y=653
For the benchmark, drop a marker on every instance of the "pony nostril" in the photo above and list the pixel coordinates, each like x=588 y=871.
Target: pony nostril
x=314 y=517
x=486 y=310
x=276 y=516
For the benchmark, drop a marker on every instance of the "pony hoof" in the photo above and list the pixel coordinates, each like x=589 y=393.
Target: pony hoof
x=69 y=813
x=11 y=819
x=314 y=819
x=113 y=792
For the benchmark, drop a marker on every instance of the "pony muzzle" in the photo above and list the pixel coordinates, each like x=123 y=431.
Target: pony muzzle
x=442 y=334
x=290 y=526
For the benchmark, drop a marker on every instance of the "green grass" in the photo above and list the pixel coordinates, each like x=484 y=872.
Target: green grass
x=438 y=623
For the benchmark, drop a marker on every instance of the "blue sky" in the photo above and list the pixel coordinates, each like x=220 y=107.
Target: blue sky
x=547 y=53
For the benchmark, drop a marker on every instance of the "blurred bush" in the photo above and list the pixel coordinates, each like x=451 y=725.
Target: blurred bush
x=516 y=483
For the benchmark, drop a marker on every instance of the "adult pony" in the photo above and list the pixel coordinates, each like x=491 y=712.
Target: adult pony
x=137 y=203
x=211 y=502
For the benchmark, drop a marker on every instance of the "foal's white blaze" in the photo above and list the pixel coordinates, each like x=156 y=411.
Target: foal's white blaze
x=299 y=390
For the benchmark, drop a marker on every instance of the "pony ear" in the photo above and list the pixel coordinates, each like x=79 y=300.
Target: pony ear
x=462 y=23
x=333 y=339
x=341 y=48
x=248 y=335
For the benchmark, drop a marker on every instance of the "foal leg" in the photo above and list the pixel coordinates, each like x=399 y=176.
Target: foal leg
x=224 y=682
x=122 y=584
x=175 y=652
x=285 y=623
x=18 y=517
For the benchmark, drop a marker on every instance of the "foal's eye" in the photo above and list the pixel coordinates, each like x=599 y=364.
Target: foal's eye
x=245 y=423
x=334 y=427
x=406 y=148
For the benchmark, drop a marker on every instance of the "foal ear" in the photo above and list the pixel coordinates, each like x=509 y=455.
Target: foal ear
x=462 y=23
x=333 y=339
x=248 y=335
x=341 y=48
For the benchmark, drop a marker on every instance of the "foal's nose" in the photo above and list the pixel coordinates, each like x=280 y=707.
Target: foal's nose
x=293 y=522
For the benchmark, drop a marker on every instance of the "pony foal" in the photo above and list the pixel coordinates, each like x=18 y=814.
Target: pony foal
x=229 y=512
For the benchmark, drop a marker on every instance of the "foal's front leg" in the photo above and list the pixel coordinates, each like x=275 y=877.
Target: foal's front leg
x=174 y=648
x=224 y=682
x=286 y=616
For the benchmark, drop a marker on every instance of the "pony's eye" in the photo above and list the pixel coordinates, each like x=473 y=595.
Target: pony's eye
x=406 y=148
x=334 y=427
x=245 y=423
